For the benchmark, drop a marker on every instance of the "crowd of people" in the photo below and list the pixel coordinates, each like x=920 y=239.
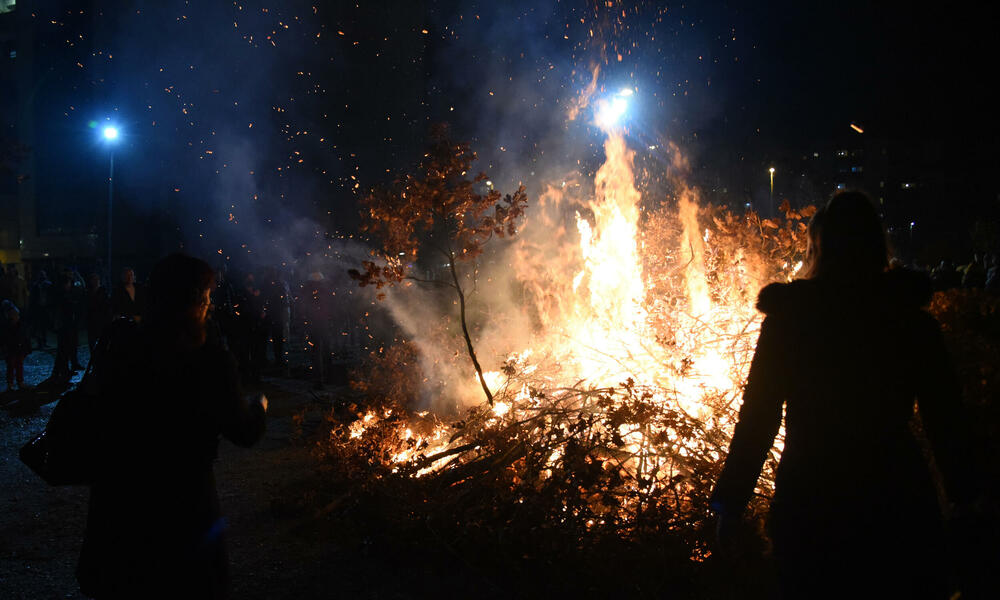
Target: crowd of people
x=254 y=313
x=251 y=315
x=36 y=312
x=981 y=272
x=32 y=311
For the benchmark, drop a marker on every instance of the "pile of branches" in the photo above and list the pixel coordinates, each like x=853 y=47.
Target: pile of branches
x=538 y=470
x=539 y=491
x=587 y=462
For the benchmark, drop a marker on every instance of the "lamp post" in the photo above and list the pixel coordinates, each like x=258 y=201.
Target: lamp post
x=110 y=134
x=771 y=195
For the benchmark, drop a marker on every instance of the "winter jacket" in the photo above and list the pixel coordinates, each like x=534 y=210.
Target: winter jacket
x=154 y=528
x=846 y=363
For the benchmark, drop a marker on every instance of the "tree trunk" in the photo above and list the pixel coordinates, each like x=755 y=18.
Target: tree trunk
x=465 y=331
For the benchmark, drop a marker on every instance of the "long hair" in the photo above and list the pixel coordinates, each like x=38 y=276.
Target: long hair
x=846 y=240
x=177 y=286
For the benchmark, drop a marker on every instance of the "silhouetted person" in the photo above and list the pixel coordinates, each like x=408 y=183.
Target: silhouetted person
x=973 y=274
x=245 y=331
x=314 y=304
x=65 y=314
x=252 y=315
x=5 y=291
x=846 y=353
x=128 y=298
x=945 y=276
x=277 y=312
x=38 y=308
x=154 y=529
x=16 y=344
x=18 y=288
x=222 y=313
x=993 y=275
x=99 y=312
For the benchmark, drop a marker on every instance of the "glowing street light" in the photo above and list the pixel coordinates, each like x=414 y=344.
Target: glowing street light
x=771 y=195
x=610 y=111
x=110 y=134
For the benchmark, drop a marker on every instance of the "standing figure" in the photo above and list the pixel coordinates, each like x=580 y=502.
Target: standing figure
x=5 y=289
x=222 y=313
x=65 y=313
x=98 y=310
x=248 y=339
x=277 y=313
x=257 y=312
x=314 y=309
x=154 y=527
x=38 y=308
x=18 y=288
x=974 y=273
x=128 y=300
x=993 y=275
x=845 y=354
x=18 y=346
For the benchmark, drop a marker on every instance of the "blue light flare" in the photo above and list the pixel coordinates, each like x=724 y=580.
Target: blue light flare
x=611 y=110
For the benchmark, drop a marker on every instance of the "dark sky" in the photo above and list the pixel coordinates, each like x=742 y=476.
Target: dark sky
x=260 y=123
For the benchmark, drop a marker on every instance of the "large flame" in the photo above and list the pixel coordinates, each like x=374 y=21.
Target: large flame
x=611 y=325
x=619 y=304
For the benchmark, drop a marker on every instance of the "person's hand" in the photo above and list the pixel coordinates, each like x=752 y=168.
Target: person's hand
x=261 y=399
x=728 y=528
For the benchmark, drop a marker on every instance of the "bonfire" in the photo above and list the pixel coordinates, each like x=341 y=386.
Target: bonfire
x=609 y=381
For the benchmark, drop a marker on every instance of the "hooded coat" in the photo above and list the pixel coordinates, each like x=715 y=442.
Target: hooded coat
x=854 y=499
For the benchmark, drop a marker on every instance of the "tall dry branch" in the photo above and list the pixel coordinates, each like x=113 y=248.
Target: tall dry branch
x=440 y=209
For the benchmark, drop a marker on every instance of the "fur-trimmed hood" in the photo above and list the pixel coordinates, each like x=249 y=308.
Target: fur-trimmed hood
x=900 y=287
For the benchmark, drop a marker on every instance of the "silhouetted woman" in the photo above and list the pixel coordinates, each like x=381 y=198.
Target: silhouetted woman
x=846 y=353
x=154 y=528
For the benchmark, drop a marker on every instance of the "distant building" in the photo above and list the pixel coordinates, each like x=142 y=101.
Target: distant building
x=926 y=206
x=34 y=222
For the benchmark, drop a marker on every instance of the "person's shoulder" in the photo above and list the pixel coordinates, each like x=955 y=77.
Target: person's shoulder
x=783 y=298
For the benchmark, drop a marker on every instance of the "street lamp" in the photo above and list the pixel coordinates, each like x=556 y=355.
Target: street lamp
x=110 y=134
x=771 y=196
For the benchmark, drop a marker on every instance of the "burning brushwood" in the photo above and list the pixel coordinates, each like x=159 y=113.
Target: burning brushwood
x=620 y=365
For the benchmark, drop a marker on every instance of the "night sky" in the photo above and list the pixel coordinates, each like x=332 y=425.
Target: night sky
x=260 y=123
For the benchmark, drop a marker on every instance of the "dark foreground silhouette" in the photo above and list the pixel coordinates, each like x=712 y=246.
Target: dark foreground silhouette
x=845 y=354
x=154 y=528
